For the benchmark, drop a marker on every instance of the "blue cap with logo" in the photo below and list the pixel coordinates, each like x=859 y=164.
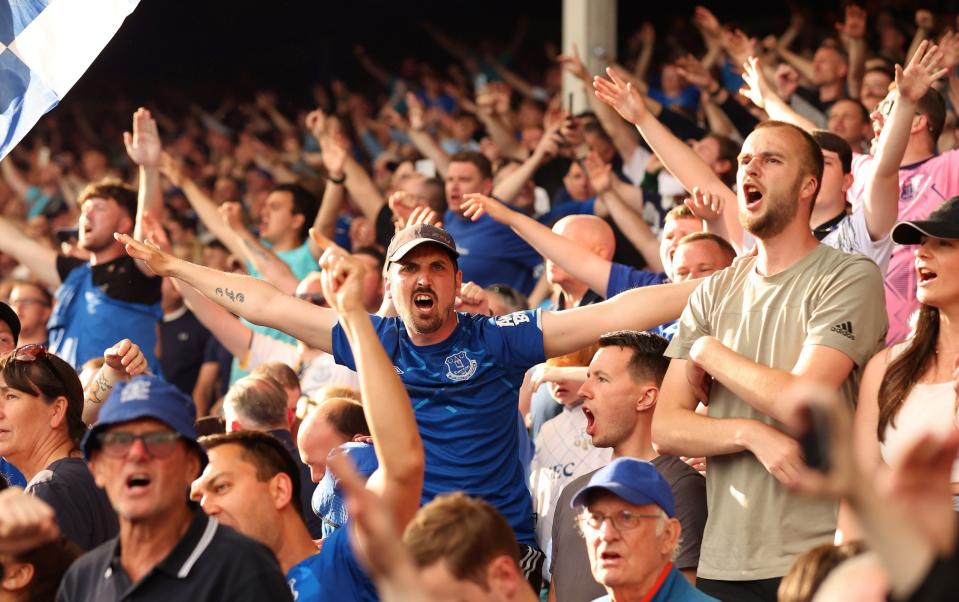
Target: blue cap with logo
x=146 y=396
x=636 y=481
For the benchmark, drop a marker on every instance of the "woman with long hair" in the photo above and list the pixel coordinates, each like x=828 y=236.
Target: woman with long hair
x=909 y=389
x=41 y=424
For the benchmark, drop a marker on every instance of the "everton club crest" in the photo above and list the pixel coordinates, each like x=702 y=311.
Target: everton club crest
x=460 y=367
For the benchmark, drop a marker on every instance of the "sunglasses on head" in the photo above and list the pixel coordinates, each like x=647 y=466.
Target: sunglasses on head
x=30 y=353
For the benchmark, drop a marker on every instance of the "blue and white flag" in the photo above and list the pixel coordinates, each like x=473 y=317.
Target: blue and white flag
x=45 y=46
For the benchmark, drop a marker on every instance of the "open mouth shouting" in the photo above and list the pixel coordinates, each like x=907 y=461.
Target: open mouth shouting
x=753 y=195
x=424 y=300
x=925 y=275
x=137 y=483
x=590 y=420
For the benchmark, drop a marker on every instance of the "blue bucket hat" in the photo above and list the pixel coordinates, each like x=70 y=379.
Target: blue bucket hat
x=146 y=396
x=636 y=481
x=328 y=501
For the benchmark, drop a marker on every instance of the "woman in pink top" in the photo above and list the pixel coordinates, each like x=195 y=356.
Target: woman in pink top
x=909 y=390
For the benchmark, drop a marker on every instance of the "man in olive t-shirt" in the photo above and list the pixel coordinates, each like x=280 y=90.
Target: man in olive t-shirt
x=797 y=311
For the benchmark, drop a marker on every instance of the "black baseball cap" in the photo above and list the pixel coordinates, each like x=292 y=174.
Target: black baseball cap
x=411 y=237
x=10 y=317
x=941 y=223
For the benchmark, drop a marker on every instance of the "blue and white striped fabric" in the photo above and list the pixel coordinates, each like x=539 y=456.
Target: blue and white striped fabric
x=45 y=46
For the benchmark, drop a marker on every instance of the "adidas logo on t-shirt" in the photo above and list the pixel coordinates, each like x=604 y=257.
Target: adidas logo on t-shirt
x=845 y=329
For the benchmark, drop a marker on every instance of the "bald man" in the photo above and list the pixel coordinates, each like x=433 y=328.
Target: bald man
x=594 y=236
x=337 y=423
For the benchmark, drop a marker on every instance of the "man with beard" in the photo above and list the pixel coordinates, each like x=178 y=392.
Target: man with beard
x=109 y=296
x=461 y=371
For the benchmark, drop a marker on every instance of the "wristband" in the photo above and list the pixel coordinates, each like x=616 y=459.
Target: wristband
x=338 y=181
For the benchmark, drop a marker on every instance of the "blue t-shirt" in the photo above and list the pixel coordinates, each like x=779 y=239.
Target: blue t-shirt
x=491 y=253
x=675 y=588
x=464 y=392
x=13 y=476
x=334 y=574
x=623 y=278
x=571 y=207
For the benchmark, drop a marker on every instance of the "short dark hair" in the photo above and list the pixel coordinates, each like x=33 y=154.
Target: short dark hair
x=48 y=377
x=724 y=245
x=43 y=290
x=266 y=453
x=647 y=361
x=829 y=141
x=811 y=161
x=345 y=415
x=933 y=107
x=463 y=532
x=728 y=151
x=114 y=190
x=373 y=252
x=304 y=203
x=479 y=160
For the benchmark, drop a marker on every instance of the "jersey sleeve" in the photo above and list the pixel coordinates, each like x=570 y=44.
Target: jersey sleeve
x=516 y=339
x=623 y=278
x=846 y=316
x=342 y=352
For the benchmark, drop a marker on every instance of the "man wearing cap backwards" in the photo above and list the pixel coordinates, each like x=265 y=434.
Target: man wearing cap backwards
x=462 y=371
x=629 y=523
x=144 y=453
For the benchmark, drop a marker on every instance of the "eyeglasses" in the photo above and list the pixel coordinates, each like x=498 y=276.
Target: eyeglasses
x=314 y=298
x=624 y=520
x=28 y=301
x=159 y=444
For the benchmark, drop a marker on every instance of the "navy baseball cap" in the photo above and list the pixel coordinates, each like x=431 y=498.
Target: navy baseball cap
x=411 y=237
x=941 y=223
x=636 y=481
x=10 y=317
x=146 y=396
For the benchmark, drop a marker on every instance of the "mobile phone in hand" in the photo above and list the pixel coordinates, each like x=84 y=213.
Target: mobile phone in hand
x=815 y=441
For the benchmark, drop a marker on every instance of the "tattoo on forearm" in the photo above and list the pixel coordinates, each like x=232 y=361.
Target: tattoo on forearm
x=101 y=388
x=228 y=293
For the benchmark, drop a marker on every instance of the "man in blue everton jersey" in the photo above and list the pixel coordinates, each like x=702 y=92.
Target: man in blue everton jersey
x=109 y=296
x=462 y=372
x=252 y=483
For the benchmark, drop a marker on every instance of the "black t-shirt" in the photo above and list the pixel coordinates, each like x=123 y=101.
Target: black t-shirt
x=210 y=562
x=82 y=509
x=183 y=344
x=120 y=279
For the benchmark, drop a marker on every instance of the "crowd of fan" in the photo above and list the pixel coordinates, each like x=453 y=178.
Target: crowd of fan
x=442 y=337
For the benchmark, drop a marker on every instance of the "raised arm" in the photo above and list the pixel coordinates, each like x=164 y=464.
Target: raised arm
x=759 y=91
x=637 y=309
x=248 y=297
x=13 y=177
x=620 y=132
x=681 y=161
x=233 y=334
x=143 y=147
x=396 y=439
x=421 y=138
x=206 y=209
x=120 y=362
x=510 y=185
x=853 y=32
x=276 y=271
x=333 y=192
x=579 y=262
x=881 y=201
x=39 y=259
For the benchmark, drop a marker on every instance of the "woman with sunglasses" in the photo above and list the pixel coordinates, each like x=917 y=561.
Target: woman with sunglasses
x=41 y=406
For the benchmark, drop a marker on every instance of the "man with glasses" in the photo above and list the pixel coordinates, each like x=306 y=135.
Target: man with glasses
x=629 y=523
x=144 y=453
x=33 y=305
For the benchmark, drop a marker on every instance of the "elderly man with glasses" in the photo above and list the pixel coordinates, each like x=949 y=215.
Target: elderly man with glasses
x=629 y=522
x=144 y=453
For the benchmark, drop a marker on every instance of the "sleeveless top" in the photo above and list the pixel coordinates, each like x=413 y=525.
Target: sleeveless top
x=928 y=408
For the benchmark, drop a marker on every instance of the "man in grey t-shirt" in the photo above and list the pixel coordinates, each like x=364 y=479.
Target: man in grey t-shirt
x=796 y=311
x=620 y=395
